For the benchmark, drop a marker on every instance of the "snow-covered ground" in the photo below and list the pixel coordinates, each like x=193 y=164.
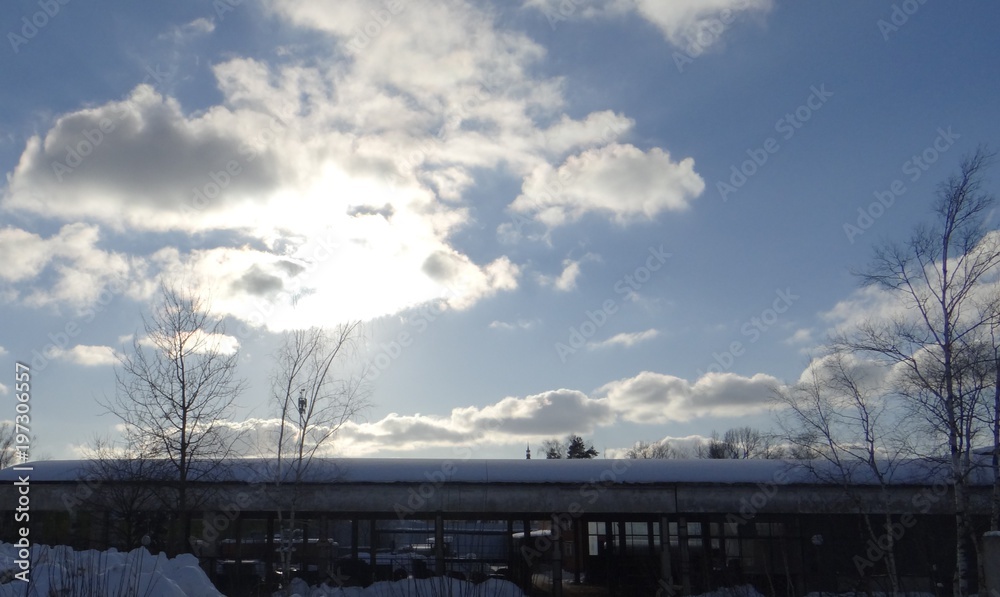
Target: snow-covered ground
x=411 y=587
x=62 y=572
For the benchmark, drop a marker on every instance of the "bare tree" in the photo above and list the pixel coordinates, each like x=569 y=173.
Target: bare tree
x=7 y=445
x=644 y=450
x=128 y=486
x=862 y=439
x=315 y=392
x=939 y=276
x=553 y=449
x=176 y=388
x=574 y=447
x=740 y=443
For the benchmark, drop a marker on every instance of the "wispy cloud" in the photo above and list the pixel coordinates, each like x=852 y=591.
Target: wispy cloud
x=519 y=324
x=625 y=339
x=87 y=356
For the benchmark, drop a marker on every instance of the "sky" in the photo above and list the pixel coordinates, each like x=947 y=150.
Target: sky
x=623 y=219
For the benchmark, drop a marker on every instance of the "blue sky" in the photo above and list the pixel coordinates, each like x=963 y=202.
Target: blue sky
x=626 y=219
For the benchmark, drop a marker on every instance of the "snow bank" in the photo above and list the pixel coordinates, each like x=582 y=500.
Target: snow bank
x=741 y=591
x=60 y=571
x=425 y=587
x=872 y=594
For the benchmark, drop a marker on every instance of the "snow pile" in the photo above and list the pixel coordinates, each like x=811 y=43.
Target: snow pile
x=870 y=594
x=741 y=591
x=60 y=571
x=442 y=586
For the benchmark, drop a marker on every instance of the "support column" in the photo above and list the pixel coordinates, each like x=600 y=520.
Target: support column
x=609 y=555
x=439 y=544
x=354 y=538
x=526 y=582
x=623 y=557
x=991 y=563
x=269 y=552
x=682 y=540
x=666 y=575
x=557 y=567
x=371 y=547
x=580 y=543
x=238 y=531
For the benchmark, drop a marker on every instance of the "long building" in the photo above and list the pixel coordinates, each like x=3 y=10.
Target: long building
x=559 y=527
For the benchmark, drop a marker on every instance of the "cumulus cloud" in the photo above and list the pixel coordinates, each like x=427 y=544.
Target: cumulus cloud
x=200 y=342
x=310 y=175
x=87 y=356
x=75 y=268
x=625 y=339
x=143 y=163
x=800 y=336
x=523 y=324
x=657 y=398
x=649 y=398
x=566 y=280
x=621 y=181
x=4 y=390
x=512 y=420
x=692 y=25
x=695 y=25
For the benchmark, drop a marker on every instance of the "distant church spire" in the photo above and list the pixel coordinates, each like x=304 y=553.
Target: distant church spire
x=527 y=452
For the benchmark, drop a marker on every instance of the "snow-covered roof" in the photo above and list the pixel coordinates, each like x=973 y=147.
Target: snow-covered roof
x=400 y=470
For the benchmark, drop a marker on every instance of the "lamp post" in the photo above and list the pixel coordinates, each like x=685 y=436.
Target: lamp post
x=302 y=406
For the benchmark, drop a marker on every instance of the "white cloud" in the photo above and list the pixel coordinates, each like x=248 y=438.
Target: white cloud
x=509 y=421
x=683 y=447
x=523 y=324
x=566 y=280
x=4 y=390
x=80 y=270
x=618 y=180
x=625 y=339
x=310 y=174
x=87 y=356
x=800 y=336
x=3 y=351
x=648 y=398
x=692 y=25
x=200 y=342
x=199 y=26
x=137 y=163
x=657 y=398
x=318 y=172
